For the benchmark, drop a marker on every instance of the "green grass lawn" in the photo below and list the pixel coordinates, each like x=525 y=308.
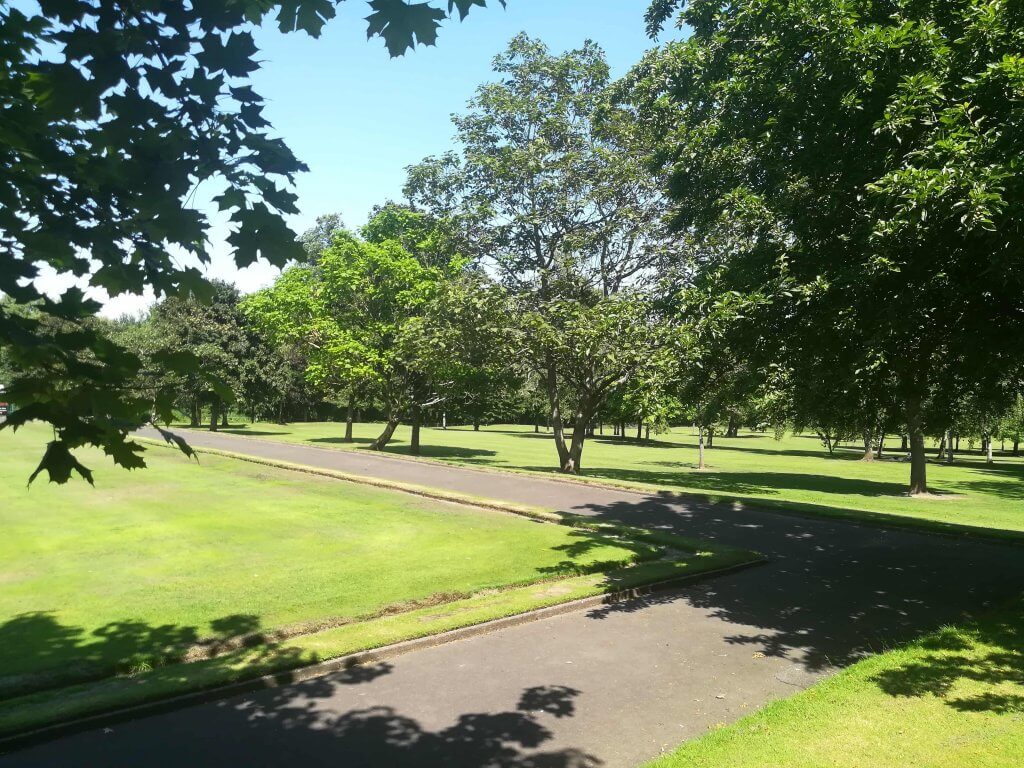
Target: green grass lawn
x=178 y=561
x=796 y=472
x=953 y=698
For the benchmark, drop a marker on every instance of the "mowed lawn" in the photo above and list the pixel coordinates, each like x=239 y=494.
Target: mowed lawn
x=155 y=560
x=953 y=698
x=795 y=472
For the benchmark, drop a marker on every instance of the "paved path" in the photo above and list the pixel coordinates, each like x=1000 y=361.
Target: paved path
x=609 y=687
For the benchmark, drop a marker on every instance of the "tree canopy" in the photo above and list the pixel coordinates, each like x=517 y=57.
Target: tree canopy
x=870 y=154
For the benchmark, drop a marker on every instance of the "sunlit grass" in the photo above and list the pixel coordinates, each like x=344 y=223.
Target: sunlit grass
x=954 y=698
x=796 y=470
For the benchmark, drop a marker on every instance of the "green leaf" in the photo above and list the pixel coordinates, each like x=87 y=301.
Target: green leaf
x=58 y=463
x=402 y=25
x=306 y=15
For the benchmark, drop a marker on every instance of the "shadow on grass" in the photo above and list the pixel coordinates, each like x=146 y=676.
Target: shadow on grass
x=749 y=483
x=38 y=652
x=361 y=441
x=1006 y=489
x=988 y=654
x=438 y=451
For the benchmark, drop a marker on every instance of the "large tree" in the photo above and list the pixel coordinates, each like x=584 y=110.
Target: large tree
x=114 y=113
x=550 y=184
x=874 y=149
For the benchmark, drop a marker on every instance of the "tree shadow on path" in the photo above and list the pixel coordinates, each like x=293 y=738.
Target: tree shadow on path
x=296 y=726
x=832 y=591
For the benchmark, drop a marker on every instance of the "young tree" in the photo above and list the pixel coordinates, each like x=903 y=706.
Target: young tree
x=1011 y=426
x=472 y=341
x=358 y=317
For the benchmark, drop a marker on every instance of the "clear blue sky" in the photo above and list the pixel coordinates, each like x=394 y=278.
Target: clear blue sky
x=357 y=118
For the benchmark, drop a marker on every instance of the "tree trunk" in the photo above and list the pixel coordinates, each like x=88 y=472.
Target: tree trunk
x=904 y=446
x=711 y=437
x=1016 y=446
x=573 y=464
x=942 y=448
x=734 y=427
x=224 y=417
x=918 y=460
x=476 y=424
x=700 y=448
x=214 y=420
x=385 y=437
x=415 y=419
x=556 y=414
x=536 y=427
x=197 y=413
x=949 y=446
x=647 y=432
x=869 y=449
x=622 y=430
x=988 y=449
x=881 y=444
x=350 y=408
x=639 y=431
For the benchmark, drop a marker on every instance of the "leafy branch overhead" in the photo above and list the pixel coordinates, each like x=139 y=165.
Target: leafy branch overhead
x=402 y=24
x=115 y=113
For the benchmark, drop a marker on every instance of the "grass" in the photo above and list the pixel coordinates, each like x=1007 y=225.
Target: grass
x=796 y=473
x=241 y=568
x=955 y=697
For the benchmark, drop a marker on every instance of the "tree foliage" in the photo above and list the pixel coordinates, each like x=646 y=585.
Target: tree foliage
x=114 y=114
x=871 y=152
x=552 y=186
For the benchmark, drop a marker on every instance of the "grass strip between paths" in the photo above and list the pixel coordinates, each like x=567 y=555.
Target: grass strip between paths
x=254 y=657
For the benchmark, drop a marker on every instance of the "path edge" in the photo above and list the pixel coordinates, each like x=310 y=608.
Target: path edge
x=331 y=666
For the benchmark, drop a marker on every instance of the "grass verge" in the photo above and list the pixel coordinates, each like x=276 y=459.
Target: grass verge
x=954 y=697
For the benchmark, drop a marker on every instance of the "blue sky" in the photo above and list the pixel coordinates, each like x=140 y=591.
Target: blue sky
x=357 y=118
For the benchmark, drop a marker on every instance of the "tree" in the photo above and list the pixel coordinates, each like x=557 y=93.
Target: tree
x=319 y=237
x=1011 y=426
x=872 y=150
x=472 y=342
x=586 y=351
x=551 y=189
x=358 y=317
x=114 y=113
